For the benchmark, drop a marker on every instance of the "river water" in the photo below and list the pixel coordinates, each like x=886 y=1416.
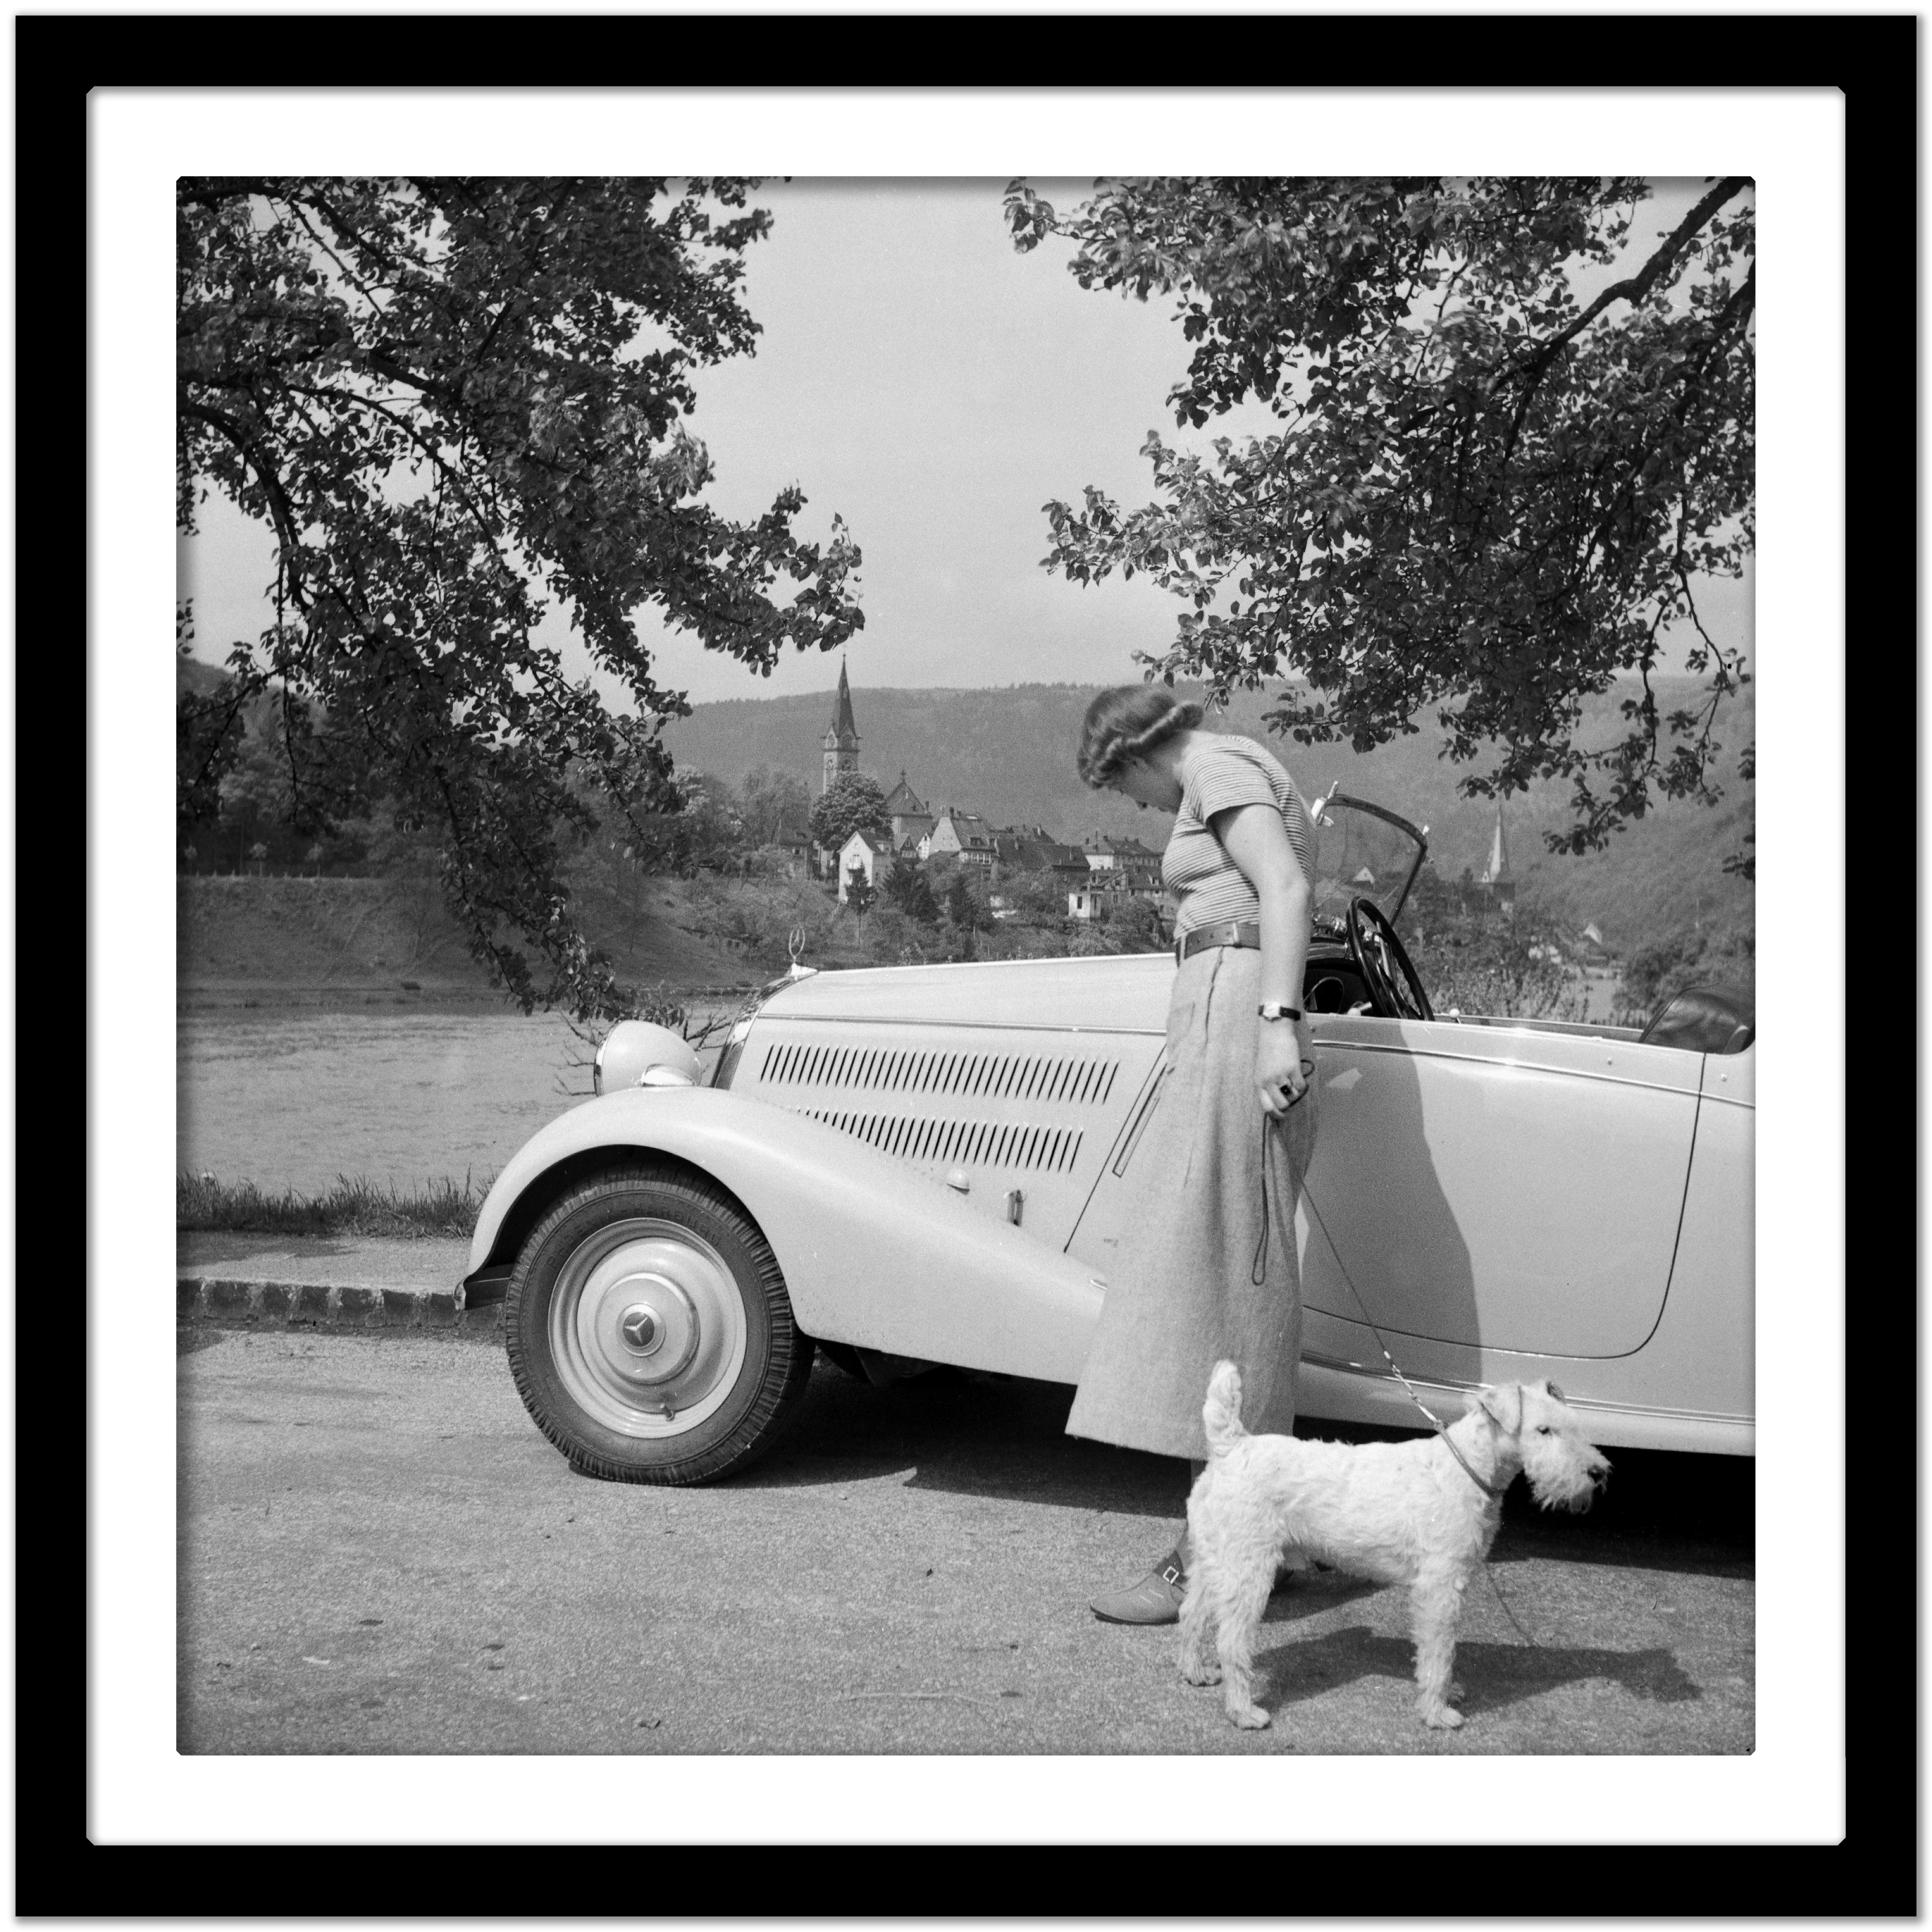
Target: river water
x=297 y=1100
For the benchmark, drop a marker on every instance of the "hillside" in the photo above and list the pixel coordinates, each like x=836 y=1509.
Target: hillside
x=191 y=674
x=1009 y=754
x=280 y=940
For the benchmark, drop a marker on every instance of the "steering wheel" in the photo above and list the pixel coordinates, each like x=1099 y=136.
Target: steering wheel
x=1395 y=992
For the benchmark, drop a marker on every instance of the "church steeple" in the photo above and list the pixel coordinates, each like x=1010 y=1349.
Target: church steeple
x=842 y=736
x=1496 y=873
x=1498 y=868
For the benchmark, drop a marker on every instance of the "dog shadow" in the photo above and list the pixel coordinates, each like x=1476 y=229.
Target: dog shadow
x=1314 y=1591
x=1493 y=1675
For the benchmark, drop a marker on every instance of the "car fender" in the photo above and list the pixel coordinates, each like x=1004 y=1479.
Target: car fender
x=874 y=1253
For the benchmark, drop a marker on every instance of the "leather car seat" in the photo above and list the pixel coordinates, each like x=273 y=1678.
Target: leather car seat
x=1703 y=1019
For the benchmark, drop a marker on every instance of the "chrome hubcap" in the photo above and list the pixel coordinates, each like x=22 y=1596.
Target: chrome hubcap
x=647 y=1327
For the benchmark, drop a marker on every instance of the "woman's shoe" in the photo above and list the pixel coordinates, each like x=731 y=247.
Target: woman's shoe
x=1155 y=1599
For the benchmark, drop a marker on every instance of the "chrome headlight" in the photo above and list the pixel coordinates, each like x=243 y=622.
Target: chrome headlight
x=634 y=1053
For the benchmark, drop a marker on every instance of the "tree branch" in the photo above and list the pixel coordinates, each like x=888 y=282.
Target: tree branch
x=279 y=505
x=1635 y=287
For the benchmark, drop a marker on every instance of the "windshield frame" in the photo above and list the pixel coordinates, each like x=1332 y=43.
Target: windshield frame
x=1419 y=833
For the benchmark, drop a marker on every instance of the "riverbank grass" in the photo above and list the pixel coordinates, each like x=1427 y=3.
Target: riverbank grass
x=357 y=1206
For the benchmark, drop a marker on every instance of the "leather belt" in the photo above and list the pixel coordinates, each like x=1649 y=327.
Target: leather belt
x=1228 y=932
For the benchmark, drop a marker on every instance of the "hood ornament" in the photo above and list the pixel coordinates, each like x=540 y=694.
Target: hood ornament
x=795 y=945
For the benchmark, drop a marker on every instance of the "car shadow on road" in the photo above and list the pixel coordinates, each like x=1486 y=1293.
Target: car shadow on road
x=996 y=1436
x=970 y=1435
x=1686 y=1514
x=1493 y=1675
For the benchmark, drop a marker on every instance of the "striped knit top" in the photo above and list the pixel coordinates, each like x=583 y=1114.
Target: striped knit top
x=1217 y=774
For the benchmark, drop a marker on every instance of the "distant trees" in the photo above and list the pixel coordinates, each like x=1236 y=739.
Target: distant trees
x=702 y=831
x=1488 y=494
x=1478 y=960
x=254 y=793
x=770 y=800
x=446 y=398
x=852 y=803
x=1136 y=926
x=1037 y=894
x=907 y=888
x=1653 y=974
x=963 y=907
x=859 y=890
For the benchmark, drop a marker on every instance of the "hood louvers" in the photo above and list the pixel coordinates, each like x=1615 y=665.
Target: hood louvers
x=1056 y=1081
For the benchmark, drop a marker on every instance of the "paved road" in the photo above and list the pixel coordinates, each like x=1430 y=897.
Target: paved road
x=380 y=1553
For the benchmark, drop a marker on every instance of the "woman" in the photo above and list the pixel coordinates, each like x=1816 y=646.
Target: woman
x=1209 y=1269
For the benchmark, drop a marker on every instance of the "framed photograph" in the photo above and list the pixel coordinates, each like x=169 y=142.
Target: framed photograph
x=698 y=717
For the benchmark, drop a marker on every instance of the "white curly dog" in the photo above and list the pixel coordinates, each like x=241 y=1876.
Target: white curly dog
x=1396 y=1512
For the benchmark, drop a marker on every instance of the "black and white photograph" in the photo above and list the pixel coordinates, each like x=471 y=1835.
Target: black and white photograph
x=966 y=965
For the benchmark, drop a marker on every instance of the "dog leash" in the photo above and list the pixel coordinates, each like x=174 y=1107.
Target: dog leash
x=1257 y=1274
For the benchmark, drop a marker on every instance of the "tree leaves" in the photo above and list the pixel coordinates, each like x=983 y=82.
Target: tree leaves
x=449 y=398
x=1486 y=499
x=852 y=803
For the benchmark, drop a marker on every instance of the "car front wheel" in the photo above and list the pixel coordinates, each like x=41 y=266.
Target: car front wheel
x=650 y=1332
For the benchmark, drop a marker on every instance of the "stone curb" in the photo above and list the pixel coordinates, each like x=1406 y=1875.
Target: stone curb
x=213 y=1302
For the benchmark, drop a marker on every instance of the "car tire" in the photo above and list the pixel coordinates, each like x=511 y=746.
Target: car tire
x=649 y=1330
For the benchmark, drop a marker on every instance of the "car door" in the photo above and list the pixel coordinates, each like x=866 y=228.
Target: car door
x=1496 y=1187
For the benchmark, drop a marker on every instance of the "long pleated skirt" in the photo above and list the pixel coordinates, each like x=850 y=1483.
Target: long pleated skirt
x=1183 y=1293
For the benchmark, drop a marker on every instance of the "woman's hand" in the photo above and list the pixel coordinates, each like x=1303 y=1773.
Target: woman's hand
x=1284 y=1064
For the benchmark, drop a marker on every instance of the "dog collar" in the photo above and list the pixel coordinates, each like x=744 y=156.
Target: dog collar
x=1488 y=1488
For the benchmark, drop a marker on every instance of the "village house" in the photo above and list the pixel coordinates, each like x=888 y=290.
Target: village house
x=911 y=821
x=861 y=853
x=1104 y=893
x=962 y=835
x=795 y=843
x=1123 y=865
x=1034 y=849
x=918 y=832
x=1129 y=862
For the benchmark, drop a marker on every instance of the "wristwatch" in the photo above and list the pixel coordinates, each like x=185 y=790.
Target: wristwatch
x=1273 y=1009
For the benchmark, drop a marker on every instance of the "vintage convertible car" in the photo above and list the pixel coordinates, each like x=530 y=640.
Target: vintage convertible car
x=936 y=1164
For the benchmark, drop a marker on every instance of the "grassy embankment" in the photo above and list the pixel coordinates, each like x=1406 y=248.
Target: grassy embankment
x=359 y=1207
x=277 y=943
x=282 y=944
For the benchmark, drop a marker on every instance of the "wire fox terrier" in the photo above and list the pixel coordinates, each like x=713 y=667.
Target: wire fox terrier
x=1422 y=1512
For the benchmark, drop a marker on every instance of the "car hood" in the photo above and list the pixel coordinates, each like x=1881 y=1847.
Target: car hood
x=1126 y=993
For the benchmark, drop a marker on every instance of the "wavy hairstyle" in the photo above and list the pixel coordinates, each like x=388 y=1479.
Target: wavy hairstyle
x=1127 y=723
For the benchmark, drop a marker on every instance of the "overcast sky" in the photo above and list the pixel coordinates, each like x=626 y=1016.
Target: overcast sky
x=921 y=379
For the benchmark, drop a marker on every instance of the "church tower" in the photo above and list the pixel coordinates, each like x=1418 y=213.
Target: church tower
x=842 y=737
x=1496 y=874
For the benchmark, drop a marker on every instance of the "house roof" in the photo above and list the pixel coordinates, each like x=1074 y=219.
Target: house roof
x=902 y=802
x=1037 y=852
x=970 y=829
x=1131 y=849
